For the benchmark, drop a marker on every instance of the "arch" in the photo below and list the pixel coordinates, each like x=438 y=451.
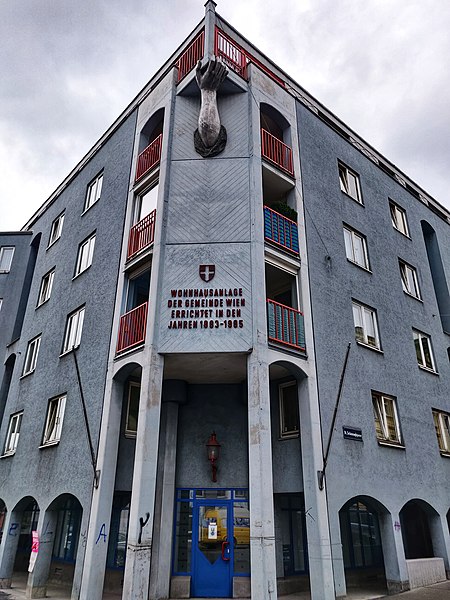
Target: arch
x=276 y=367
x=152 y=128
x=415 y=518
x=68 y=513
x=127 y=371
x=274 y=122
x=3 y=511
x=437 y=274
x=27 y=516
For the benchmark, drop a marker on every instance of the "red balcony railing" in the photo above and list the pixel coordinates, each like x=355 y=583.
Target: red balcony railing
x=276 y=152
x=285 y=325
x=280 y=230
x=149 y=158
x=132 y=328
x=190 y=56
x=142 y=234
x=231 y=54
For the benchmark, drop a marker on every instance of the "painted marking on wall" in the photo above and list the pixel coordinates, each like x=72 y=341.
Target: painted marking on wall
x=13 y=529
x=142 y=524
x=102 y=534
x=397 y=526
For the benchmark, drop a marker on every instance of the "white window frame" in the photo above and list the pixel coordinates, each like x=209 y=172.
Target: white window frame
x=46 y=287
x=1 y=303
x=85 y=255
x=422 y=343
x=410 y=282
x=74 y=329
x=349 y=183
x=54 y=421
x=442 y=426
x=5 y=263
x=93 y=193
x=56 y=230
x=129 y=432
x=285 y=433
x=12 y=436
x=358 y=256
x=380 y=403
x=365 y=320
x=31 y=356
x=398 y=218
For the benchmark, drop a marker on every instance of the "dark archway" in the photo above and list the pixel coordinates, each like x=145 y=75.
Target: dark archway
x=27 y=511
x=414 y=519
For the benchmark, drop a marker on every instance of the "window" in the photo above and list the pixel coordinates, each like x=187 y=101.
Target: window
x=146 y=203
x=386 y=419
x=442 y=425
x=46 y=287
x=1 y=302
x=54 y=421
x=410 y=283
x=424 y=354
x=134 y=389
x=85 y=253
x=67 y=530
x=93 y=192
x=6 y=256
x=55 y=231
x=289 y=419
x=356 y=248
x=31 y=356
x=74 y=327
x=366 y=328
x=349 y=182
x=12 y=437
x=398 y=217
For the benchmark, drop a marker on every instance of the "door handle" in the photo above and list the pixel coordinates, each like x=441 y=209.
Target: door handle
x=224 y=547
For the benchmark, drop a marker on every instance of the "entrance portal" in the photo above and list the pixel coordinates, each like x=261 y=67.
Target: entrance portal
x=212 y=539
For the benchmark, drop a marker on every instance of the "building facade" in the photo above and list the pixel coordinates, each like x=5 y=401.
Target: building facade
x=226 y=374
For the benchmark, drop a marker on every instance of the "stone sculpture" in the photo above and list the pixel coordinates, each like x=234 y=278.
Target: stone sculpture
x=211 y=137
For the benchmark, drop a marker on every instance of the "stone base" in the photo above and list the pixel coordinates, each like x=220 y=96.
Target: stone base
x=396 y=587
x=180 y=586
x=425 y=571
x=242 y=587
x=5 y=583
x=39 y=591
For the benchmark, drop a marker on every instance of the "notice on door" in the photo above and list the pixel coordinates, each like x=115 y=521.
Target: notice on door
x=212 y=531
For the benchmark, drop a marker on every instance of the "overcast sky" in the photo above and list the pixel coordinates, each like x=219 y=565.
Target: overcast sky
x=68 y=68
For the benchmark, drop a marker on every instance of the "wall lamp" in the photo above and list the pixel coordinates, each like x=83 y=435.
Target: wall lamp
x=213 y=448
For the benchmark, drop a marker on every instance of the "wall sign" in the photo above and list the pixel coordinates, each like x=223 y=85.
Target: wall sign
x=352 y=433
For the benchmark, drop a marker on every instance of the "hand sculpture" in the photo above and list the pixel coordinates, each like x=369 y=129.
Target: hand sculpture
x=212 y=135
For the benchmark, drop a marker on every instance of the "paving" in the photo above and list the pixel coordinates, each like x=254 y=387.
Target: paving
x=439 y=591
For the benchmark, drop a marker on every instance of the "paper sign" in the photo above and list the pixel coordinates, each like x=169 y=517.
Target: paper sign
x=34 y=550
x=212 y=531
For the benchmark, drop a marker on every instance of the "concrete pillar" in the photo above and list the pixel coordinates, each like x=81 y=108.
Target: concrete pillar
x=441 y=542
x=37 y=579
x=100 y=517
x=397 y=578
x=163 y=522
x=8 y=547
x=319 y=545
x=139 y=545
x=340 y=585
x=79 y=559
x=262 y=530
x=210 y=23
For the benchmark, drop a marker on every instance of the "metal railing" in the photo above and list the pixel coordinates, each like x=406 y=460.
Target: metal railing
x=149 y=158
x=231 y=54
x=280 y=230
x=142 y=234
x=132 y=328
x=190 y=56
x=285 y=325
x=277 y=152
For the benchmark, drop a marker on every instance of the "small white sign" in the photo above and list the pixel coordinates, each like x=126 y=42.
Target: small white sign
x=212 y=531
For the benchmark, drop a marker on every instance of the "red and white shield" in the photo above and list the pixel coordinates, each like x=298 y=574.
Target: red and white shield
x=207 y=272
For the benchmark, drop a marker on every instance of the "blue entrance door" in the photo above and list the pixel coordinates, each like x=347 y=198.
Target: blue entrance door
x=212 y=551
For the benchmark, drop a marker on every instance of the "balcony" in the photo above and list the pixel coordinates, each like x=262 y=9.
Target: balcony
x=235 y=58
x=190 y=57
x=276 y=152
x=132 y=328
x=280 y=230
x=285 y=325
x=142 y=235
x=149 y=158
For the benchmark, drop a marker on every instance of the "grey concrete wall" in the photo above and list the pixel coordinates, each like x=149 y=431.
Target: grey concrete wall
x=391 y=475
x=46 y=473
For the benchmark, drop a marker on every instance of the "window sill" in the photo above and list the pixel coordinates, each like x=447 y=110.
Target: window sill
x=86 y=210
x=427 y=370
x=42 y=303
x=49 y=444
x=2 y=272
x=27 y=374
x=412 y=296
x=289 y=436
x=374 y=348
x=65 y=352
x=444 y=454
x=53 y=243
x=81 y=272
x=360 y=202
x=391 y=444
x=403 y=234
x=130 y=435
x=8 y=454
x=366 y=269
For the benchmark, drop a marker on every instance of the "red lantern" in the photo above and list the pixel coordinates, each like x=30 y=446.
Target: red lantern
x=213 y=448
